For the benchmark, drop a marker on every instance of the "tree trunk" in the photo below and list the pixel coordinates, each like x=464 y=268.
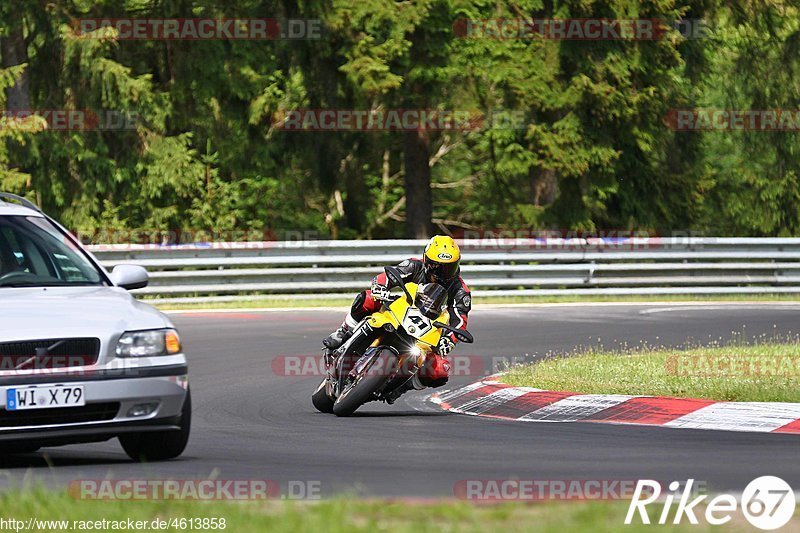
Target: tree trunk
x=419 y=204
x=544 y=186
x=14 y=52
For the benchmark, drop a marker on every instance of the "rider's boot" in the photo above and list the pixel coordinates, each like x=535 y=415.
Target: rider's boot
x=340 y=336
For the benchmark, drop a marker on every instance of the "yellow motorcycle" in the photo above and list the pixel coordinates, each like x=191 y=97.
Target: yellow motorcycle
x=387 y=349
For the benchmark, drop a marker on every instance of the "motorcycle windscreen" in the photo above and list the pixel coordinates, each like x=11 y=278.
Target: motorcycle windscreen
x=430 y=300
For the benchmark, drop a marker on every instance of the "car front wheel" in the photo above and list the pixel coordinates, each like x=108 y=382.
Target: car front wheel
x=160 y=445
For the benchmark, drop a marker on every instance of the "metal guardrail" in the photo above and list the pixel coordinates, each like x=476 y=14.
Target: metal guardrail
x=501 y=267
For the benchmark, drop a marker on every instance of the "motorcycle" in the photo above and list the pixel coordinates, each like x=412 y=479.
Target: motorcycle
x=387 y=349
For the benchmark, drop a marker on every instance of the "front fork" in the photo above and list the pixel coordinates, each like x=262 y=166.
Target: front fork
x=339 y=362
x=329 y=357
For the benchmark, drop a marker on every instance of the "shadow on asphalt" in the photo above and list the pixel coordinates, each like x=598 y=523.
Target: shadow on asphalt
x=45 y=460
x=389 y=414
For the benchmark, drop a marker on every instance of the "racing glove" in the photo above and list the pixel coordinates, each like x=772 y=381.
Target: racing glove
x=445 y=346
x=380 y=293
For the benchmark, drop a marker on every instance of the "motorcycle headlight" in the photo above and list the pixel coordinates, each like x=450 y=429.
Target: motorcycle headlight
x=148 y=343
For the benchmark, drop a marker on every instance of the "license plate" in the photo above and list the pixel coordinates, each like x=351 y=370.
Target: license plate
x=46 y=397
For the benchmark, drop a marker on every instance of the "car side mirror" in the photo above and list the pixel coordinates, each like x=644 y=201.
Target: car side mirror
x=130 y=277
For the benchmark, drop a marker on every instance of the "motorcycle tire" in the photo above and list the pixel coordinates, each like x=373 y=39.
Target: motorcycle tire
x=355 y=396
x=321 y=400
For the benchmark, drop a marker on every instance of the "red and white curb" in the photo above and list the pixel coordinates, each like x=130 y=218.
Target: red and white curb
x=493 y=399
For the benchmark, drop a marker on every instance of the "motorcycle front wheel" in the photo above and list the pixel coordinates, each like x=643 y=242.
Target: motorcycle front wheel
x=321 y=400
x=360 y=391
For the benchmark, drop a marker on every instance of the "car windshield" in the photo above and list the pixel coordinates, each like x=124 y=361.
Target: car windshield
x=34 y=253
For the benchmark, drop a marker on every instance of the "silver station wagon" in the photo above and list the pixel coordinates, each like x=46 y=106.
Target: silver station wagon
x=81 y=360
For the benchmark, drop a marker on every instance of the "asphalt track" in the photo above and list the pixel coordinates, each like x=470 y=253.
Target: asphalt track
x=250 y=422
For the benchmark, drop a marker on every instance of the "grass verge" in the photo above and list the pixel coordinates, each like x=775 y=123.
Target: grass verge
x=337 y=515
x=273 y=302
x=764 y=372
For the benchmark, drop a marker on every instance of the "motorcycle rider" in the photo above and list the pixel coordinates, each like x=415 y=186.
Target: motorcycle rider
x=440 y=264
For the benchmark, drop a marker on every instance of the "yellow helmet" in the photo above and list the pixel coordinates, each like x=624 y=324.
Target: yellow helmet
x=442 y=258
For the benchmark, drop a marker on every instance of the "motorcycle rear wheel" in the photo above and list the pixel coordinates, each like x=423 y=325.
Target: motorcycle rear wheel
x=354 y=396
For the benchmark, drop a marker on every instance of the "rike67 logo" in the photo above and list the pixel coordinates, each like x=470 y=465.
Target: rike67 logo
x=768 y=503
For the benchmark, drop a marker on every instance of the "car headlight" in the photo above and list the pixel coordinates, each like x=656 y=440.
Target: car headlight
x=148 y=343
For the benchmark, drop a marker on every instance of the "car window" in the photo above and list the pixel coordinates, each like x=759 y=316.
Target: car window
x=35 y=253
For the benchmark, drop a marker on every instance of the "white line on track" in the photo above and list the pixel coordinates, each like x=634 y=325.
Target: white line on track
x=719 y=307
x=574 y=408
x=499 y=397
x=251 y=310
x=673 y=306
x=739 y=416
